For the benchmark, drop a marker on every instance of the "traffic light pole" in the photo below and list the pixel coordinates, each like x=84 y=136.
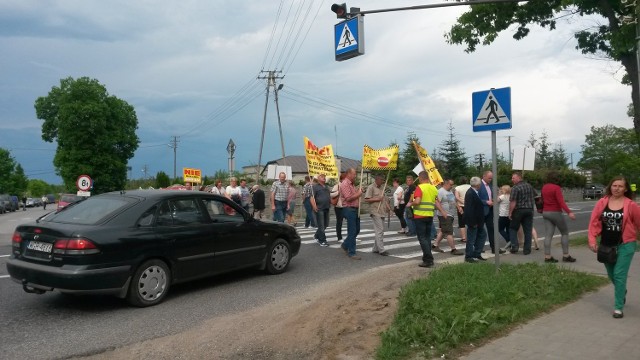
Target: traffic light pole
x=356 y=11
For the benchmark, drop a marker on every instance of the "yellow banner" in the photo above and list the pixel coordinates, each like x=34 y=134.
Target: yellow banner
x=192 y=175
x=429 y=165
x=320 y=160
x=381 y=159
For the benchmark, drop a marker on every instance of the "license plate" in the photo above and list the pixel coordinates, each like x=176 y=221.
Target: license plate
x=40 y=246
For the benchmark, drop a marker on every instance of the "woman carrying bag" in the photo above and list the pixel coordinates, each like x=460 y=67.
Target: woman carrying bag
x=615 y=219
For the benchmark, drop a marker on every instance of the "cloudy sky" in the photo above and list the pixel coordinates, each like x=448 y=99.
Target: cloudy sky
x=190 y=69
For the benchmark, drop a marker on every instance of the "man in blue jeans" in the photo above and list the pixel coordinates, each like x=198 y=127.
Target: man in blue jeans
x=279 y=195
x=350 y=203
x=425 y=201
x=408 y=210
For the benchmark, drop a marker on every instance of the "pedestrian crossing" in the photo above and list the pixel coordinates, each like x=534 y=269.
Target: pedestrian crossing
x=397 y=245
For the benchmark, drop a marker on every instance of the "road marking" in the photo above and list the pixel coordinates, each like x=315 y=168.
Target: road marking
x=5 y=255
x=4 y=276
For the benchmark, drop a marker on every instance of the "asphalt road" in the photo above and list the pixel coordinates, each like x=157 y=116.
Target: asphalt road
x=54 y=325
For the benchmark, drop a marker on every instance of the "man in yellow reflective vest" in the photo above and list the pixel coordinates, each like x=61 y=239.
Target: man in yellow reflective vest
x=425 y=201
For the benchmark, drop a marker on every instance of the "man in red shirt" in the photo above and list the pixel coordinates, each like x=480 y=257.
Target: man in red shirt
x=350 y=197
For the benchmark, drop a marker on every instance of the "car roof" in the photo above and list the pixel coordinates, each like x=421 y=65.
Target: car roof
x=158 y=194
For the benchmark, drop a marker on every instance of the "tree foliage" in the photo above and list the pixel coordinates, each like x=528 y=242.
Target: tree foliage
x=12 y=178
x=614 y=39
x=453 y=160
x=37 y=188
x=162 y=180
x=609 y=151
x=95 y=132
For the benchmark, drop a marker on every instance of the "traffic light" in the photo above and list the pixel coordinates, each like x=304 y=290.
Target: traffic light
x=340 y=10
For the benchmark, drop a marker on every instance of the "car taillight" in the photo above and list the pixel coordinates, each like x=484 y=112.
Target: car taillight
x=16 y=239
x=74 y=247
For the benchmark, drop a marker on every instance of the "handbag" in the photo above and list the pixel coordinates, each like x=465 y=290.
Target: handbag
x=607 y=254
x=539 y=203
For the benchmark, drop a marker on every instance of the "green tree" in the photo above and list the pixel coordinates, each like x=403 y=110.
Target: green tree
x=12 y=178
x=543 y=152
x=614 y=38
x=559 y=158
x=19 y=180
x=162 y=180
x=37 y=187
x=609 y=151
x=453 y=160
x=408 y=158
x=95 y=132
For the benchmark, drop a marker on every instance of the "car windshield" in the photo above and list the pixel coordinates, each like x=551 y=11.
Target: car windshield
x=90 y=211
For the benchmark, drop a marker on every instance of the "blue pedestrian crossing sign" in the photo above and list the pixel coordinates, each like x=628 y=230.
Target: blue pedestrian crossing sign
x=491 y=109
x=349 y=38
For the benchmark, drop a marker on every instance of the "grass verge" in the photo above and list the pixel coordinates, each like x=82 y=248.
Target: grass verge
x=463 y=304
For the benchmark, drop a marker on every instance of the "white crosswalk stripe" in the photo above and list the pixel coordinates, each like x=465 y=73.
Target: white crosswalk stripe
x=398 y=245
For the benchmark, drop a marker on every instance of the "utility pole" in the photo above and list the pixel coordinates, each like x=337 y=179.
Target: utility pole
x=145 y=169
x=510 y=159
x=480 y=160
x=174 y=145
x=271 y=78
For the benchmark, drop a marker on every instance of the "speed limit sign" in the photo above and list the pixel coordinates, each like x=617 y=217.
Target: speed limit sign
x=84 y=183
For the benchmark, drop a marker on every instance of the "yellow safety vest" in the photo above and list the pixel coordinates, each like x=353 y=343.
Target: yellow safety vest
x=427 y=201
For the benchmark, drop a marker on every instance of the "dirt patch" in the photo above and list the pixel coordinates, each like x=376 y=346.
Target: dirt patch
x=339 y=319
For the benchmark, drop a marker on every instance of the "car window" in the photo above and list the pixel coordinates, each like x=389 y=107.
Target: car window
x=219 y=211
x=180 y=212
x=147 y=218
x=90 y=211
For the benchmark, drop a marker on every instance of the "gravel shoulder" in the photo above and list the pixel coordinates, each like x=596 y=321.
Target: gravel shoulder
x=338 y=319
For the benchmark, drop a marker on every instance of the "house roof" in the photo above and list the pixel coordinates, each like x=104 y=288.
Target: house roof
x=298 y=163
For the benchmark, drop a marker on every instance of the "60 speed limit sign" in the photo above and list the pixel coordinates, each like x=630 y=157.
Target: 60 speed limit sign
x=84 y=183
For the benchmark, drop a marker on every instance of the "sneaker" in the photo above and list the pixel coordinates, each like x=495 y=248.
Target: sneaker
x=355 y=257
x=403 y=231
x=318 y=241
x=425 y=265
x=550 y=260
x=480 y=258
x=617 y=314
x=456 y=252
x=568 y=259
x=500 y=251
x=324 y=244
x=436 y=248
x=384 y=253
x=470 y=260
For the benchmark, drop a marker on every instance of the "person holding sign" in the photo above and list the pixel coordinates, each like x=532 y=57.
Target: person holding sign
x=378 y=210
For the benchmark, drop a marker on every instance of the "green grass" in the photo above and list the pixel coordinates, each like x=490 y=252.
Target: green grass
x=579 y=241
x=464 y=304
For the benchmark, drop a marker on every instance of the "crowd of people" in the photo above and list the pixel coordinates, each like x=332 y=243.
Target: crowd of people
x=612 y=231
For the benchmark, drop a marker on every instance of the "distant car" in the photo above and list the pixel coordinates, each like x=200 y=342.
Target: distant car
x=6 y=205
x=66 y=199
x=137 y=244
x=592 y=191
x=15 y=202
x=31 y=202
x=51 y=199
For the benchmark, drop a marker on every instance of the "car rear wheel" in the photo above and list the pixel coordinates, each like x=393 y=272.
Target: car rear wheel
x=278 y=257
x=150 y=284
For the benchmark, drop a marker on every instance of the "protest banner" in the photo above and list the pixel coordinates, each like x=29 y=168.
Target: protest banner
x=320 y=160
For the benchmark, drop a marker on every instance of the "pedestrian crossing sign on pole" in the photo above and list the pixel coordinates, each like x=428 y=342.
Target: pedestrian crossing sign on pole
x=491 y=109
x=349 y=38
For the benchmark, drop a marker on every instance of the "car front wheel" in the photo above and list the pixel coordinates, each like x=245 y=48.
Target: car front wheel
x=150 y=284
x=278 y=257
